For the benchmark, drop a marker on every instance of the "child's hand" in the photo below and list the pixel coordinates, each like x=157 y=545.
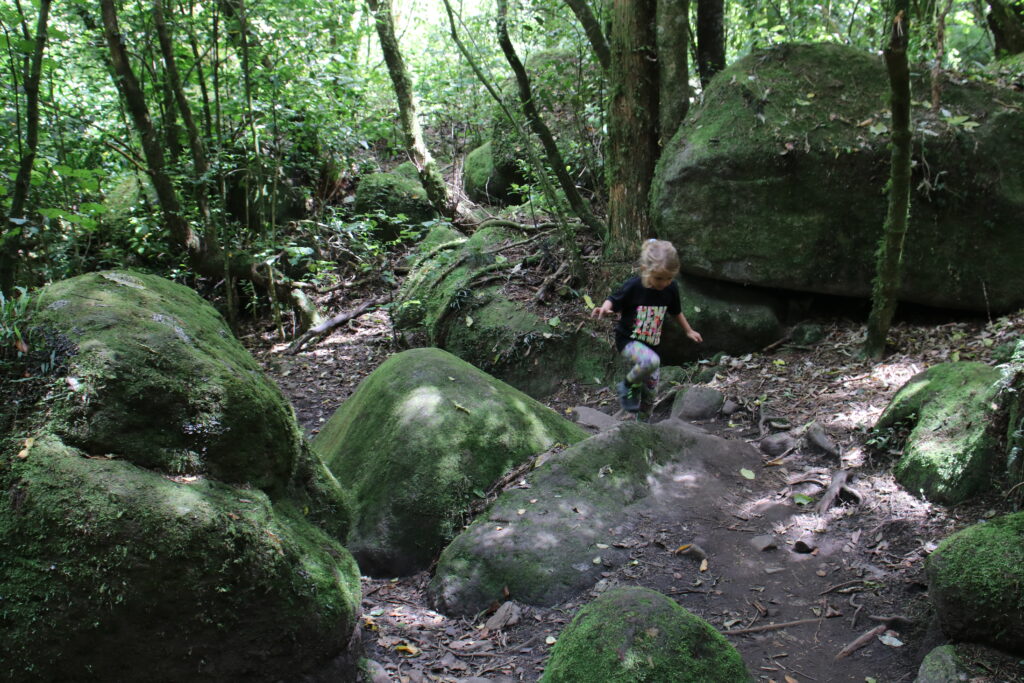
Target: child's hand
x=695 y=336
x=602 y=310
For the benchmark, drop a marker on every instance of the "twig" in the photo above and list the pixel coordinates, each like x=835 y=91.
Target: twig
x=550 y=280
x=856 y=612
x=840 y=585
x=329 y=325
x=861 y=641
x=771 y=627
x=775 y=344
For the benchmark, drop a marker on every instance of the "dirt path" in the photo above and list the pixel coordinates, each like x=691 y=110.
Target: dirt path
x=765 y=558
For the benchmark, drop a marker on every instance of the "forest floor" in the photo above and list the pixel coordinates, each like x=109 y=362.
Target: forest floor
x=770 y=561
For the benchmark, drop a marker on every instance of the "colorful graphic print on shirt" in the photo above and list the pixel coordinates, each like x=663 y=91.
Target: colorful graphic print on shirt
x=647 y=326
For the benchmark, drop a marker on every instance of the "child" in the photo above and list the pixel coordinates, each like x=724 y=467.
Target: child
x=642 y=303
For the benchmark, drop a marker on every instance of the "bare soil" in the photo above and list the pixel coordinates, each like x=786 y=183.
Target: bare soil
x=826 y=580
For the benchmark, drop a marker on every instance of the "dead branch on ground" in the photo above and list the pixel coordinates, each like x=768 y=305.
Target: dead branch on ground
x=328 y=325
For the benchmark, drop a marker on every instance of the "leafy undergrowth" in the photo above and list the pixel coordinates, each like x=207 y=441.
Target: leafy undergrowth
x=865 y=560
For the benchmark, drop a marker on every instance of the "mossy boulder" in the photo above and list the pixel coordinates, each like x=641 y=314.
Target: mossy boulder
x=397 y=194
x=487 y=182
x=976 y=582
x=160 y=511
x=455 y=294
x=549 y=541
x=778 y=180
x=420 y=439
x=953 y=446
x=631 y=635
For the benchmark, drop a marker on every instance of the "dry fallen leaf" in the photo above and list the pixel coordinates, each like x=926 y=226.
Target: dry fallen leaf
x=407 y=649
x=23 y=453
x=704 y=565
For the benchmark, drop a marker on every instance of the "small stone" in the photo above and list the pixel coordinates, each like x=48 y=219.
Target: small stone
x=731 y=407
x=804 y=547
x=764 y=542
x=777 y=444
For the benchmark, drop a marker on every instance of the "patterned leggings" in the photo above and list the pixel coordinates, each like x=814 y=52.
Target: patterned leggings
x=645 y=365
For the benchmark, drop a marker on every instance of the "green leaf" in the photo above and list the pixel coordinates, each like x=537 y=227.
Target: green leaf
x=801 y=499
x=588 y=302
x=479 y=493
x=879 y=128
x=747 y=474
x=554 y=322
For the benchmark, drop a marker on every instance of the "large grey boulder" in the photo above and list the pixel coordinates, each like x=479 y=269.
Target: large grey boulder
x=418 y=442
x=160 y=510
x=549 y=541
x=778 y=180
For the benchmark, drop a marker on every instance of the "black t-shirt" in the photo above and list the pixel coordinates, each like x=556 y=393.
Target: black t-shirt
x=643 y=311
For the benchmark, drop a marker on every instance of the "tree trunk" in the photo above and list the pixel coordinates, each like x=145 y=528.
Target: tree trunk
x=11 y=237
x=430 y=176
x=710 y=39
x=940 y=52
x=632 y=125
x=1006 y=22
x=890 y=246
x=204 y=255
x=673 y=66
x=200 y=165
x=543 y=133
x=592 y=28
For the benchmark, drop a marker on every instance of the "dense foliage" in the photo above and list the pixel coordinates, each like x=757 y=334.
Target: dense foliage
x=291 y=104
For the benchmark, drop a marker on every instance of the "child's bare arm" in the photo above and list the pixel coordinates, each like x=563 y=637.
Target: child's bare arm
x=602 y=310
x=690 y=332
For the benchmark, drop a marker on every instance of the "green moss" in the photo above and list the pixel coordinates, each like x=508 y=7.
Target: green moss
x=106 y=567
x=784 y=131
x=413 y=443
x=632 y=635
x=976 y=580
x=952 y=449
x=398 y=193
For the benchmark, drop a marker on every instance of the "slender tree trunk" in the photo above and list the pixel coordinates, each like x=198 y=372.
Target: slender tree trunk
x=1006 y=21
x=890 y=246
x=204 y=255
x=11 y=237
x=541 y=130
x=430 y=176
x=710 y=39
x=673 y=66
x=592 y=27
x=200 y=165
x=940 y=52
x=632 y=125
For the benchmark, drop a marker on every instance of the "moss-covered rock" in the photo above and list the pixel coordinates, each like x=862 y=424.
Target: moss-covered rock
x=631 y=635
x=546 y=543
x=455 y=294
x=418 y=441
x=486 y=182
x=160 y=381
x=941 y=665
x=778 y=180
x=396 y=193
x=953 y=447
x=159 y=509
x=976 y=582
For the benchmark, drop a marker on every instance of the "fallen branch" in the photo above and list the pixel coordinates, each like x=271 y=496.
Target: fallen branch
x=771 y=627
x=328 y=325
x=550 y=280
x=861 y=641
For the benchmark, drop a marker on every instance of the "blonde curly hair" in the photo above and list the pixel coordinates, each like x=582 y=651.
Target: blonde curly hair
x=657 y=257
